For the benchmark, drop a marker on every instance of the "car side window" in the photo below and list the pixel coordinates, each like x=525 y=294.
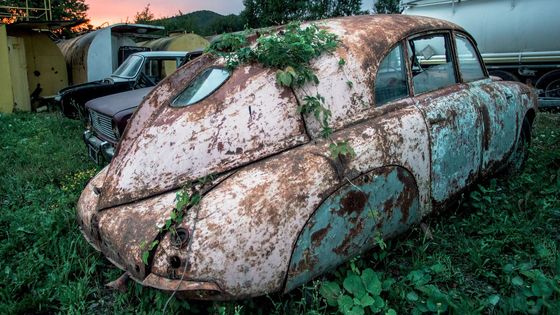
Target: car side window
x=432 y=63
x=469 y=65
x=391 y=82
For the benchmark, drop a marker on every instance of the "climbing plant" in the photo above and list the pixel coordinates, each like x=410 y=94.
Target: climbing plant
x=290 y=52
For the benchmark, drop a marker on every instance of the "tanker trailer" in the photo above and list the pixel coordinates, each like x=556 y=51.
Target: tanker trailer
x=519 y=40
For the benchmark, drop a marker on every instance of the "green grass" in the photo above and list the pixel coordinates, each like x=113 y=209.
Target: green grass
x=497 y=253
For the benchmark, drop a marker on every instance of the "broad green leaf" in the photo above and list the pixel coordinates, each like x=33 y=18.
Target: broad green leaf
x=367 y=300
x=494 y=299
x=412 y=296
x=391 y=312
x=356 y=310
x=517 y=281
x=353 y=284
x=371 y=282
x=345 y=303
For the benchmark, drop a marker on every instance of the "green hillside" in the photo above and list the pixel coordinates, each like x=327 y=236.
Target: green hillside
x=204 y=23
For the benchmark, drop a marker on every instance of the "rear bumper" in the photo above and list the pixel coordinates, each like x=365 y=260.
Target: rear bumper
x=98 y=149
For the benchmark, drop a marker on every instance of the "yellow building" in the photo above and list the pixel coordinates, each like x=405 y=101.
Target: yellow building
x=35 y=64
x=6 y=94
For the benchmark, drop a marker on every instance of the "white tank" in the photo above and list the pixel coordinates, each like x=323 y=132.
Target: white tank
x=505 y=30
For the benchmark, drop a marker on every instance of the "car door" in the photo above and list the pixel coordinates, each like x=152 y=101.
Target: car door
x=451 y=114
x=495 y=102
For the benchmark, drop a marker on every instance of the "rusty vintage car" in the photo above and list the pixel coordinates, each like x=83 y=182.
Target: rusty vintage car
x=422 y=114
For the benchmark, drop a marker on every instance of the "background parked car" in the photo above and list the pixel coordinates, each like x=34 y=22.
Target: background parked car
x=142 y=69
x=108 y=116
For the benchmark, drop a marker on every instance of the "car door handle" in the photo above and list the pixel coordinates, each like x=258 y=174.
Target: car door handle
x=436 y=120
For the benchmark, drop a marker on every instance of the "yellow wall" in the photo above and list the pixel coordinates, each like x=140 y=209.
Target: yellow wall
x=45 y=64
x=6 y=94
x=18 y=71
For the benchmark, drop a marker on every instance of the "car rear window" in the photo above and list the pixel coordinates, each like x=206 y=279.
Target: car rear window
x=201 y=87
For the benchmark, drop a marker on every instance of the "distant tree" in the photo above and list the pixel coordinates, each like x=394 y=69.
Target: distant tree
x=321 y=9
x=60 y=9
x=144 y=16
x=260 y=13
x=387 y=6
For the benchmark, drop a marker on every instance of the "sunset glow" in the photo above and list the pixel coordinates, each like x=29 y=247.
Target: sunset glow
x=122 y=11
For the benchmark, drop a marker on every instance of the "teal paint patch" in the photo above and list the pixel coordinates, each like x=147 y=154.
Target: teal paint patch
x=383 y=203
x=456 y=142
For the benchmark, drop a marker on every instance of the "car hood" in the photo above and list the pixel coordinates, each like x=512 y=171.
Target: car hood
x=79 y=86
x=163 y=148
x=114 y=103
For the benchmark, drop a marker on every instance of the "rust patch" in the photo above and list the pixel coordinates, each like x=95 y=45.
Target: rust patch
x=354 y=201
x=318 y=236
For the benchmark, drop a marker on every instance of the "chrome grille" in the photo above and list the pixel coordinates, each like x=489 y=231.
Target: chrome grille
x=102 y=124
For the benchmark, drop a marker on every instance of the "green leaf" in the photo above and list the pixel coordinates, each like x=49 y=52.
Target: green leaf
x=390 y=312
x=366 y=300
x=353 y=284
x=438 y=268
x=330 y=292
x=345 y=303
x=356 y=310
x=145 y=255
x=517 y=281
x=341 y=62
x=508 y=268
x=412 y=296
x=371 y=281
x=494 y=299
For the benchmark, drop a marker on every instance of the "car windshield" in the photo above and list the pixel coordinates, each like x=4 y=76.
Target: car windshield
x=129 y=67
x=202 y=86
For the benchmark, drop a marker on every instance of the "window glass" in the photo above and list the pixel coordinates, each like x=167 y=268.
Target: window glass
x=390 y=82
x=469 y=65
x=202 y=86
x=432 y=65
x=129 y=67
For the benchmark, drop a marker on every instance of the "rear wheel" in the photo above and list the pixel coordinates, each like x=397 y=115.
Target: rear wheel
x=516 y=161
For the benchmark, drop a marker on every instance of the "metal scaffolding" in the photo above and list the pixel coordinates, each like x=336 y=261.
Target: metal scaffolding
x=27 y=13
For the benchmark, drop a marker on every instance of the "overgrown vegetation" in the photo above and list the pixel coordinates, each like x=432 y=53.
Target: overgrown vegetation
x=497 y=253
x=290 y=52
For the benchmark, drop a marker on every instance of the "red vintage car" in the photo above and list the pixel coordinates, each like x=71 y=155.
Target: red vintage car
x=413 y=101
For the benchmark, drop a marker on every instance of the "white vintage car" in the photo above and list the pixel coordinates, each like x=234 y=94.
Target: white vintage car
x=413 y=101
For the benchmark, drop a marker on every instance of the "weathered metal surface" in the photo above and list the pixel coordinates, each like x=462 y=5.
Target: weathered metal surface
x=248 y=118
x=365 y=40
x=376 y=205
x=497 y=104
x=263 y=226
x=456 y=134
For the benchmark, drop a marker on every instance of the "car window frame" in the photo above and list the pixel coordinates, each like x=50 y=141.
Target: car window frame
x=404 y=56
x=450 y=46
x=472 y=41
x=193 y=79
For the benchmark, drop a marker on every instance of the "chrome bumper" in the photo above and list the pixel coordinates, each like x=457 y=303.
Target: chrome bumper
x=98 y=150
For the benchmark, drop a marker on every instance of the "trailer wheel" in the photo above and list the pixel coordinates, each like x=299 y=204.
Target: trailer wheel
x=505 y=75
x=549 y=84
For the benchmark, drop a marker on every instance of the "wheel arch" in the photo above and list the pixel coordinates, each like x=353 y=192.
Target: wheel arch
x=382 y=202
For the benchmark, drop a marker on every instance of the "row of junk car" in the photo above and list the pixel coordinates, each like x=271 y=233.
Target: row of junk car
x=274 y=207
